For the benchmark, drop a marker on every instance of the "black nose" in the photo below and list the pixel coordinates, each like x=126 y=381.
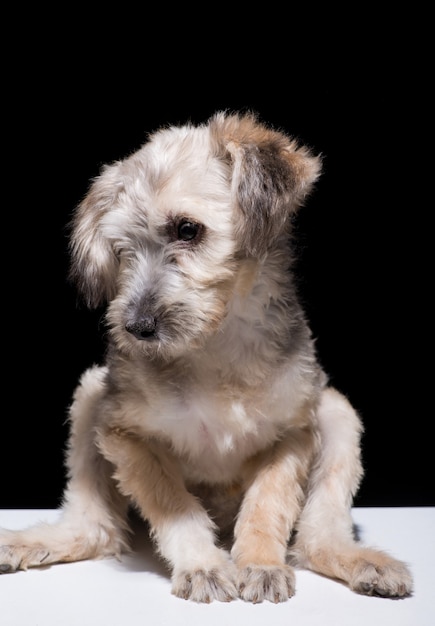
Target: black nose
x=142 y=328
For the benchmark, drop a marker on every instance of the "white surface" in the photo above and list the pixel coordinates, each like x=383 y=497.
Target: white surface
x=137 y=590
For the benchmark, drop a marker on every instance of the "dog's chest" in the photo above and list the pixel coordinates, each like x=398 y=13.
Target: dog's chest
x=213 y=429
x=211 y=433
x=205 y=416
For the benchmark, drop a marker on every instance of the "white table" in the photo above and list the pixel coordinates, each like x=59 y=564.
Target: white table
x=136 y=591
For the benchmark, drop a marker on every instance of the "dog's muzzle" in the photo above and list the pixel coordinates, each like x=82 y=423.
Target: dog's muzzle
x=143 y=328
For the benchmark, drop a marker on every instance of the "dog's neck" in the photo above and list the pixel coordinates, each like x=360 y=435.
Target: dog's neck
x=263 y=324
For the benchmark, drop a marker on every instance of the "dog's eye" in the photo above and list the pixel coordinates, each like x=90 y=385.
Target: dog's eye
x=187 y=231
x=184 y=230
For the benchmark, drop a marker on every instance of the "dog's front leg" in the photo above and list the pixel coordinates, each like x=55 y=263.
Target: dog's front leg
x=184 y=533
x=269 y=511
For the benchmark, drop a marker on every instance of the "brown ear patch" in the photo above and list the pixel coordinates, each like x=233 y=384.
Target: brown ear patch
x=271 y=177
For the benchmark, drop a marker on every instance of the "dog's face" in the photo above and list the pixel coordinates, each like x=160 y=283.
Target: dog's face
x=169 y=236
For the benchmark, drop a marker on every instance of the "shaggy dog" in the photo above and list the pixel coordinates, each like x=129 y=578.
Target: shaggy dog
x=211 y=415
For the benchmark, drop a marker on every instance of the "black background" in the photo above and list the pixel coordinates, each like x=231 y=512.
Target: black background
x=75 y=101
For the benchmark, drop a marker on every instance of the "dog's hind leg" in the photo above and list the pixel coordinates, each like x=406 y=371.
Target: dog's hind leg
x=325 y=540
x=92 y=520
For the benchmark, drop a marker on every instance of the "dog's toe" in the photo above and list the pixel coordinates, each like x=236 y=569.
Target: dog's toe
x=14 y=558
x=275 y=584
x=392 y=579
x=6 y=568
x=203 y=585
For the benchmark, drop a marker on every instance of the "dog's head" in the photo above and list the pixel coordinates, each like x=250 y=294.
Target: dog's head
x=168 y=235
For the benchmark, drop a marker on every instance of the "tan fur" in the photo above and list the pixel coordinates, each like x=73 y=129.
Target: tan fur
x=211 y=415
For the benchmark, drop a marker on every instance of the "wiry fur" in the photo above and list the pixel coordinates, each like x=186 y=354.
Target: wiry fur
x=211 y=413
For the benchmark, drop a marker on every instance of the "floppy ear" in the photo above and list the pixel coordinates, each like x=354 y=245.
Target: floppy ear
x=271 y=177
x=94 y=264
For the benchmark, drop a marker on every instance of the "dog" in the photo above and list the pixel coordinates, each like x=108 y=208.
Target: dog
x=211 y=416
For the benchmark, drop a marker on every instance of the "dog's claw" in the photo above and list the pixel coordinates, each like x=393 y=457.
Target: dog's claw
x=6 y=568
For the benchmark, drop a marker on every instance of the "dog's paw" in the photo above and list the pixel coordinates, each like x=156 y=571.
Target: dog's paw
x=258 y=582
x=387 y=578
x=205 y=585
x=15 y=557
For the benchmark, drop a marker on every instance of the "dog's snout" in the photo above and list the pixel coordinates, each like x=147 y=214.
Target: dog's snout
x=142 y=328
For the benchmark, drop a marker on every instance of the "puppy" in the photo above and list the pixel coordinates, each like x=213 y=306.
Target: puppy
x=211 y=416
